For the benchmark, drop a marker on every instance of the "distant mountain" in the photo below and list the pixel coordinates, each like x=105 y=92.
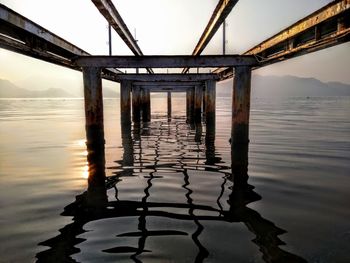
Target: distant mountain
x=9 y=90
x=289 y=86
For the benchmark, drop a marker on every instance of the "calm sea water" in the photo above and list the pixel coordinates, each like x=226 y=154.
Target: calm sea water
x=171 y=196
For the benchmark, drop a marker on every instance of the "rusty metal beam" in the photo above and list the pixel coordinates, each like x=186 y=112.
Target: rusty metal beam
x=166 y=83
x=322 y=29
x=21 y=35
x=109 y=11
x=167 y=88
x=166 y=61
x=219 y=15
x=167 y=77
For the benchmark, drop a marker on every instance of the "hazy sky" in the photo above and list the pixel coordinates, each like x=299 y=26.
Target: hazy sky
x=167 y=27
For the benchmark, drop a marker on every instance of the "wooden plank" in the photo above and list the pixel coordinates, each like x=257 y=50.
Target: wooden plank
x=166 y=61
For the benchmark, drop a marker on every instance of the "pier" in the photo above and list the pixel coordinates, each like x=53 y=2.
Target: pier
x=182 y=153
x=324 y=28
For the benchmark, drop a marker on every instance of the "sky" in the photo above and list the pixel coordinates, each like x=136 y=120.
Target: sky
x=167 y=27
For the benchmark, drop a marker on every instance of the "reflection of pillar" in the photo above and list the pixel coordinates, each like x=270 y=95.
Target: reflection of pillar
x=210 y=98
x=96 y=193
x=241 y=105
x=136 y=109
x=239 y=164
x=93 y=105
x=146 y=105
x=190 y=105
x=125 y=107
x=199 y=132
x=198 y=97
x=169 y=105
x=210 y=144
x=128 y=155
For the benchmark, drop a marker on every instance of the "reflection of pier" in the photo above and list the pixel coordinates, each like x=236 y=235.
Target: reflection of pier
x=94 y=205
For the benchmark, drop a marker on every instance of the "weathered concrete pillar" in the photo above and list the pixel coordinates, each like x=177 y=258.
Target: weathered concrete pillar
x=198 y=98
x=210 y=101
x=125 y=101
x=93 y=105
x=190 y=105
x=146 y=105
x=136 y=107
x=169 y=105
x=241 y=105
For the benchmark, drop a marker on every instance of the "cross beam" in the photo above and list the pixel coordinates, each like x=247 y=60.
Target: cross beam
x=167 y=77
x=167 y=88
x=167 y=83
x=165 y=61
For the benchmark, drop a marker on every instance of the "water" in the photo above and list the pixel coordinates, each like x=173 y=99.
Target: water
x=171 y=193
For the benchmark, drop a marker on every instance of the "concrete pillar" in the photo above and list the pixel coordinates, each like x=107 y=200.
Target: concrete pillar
x=125 y=101
x=190 y=105
x=169 y=105
x=136 y=107
x=210 y=100
x=146 y=105
x=198 y=97
x=96 y=193
x=241 y=105
x=93 y=105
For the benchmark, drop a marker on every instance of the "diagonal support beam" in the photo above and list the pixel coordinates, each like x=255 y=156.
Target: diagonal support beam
x=219 y=15
x=108 y=10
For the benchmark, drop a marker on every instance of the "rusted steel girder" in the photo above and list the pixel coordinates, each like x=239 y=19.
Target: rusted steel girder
x=167 y=61
x=219 y=15
x=168 y=77
x=21 y=35
x=108 y=10
x=324 y=28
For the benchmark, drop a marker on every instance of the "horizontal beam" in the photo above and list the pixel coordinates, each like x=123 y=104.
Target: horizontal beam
x=222 y=10
x=167 y=83
x=165 y=61
x=167 y=77
x=167 y=88
x=327 y=27
x=21 y=35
